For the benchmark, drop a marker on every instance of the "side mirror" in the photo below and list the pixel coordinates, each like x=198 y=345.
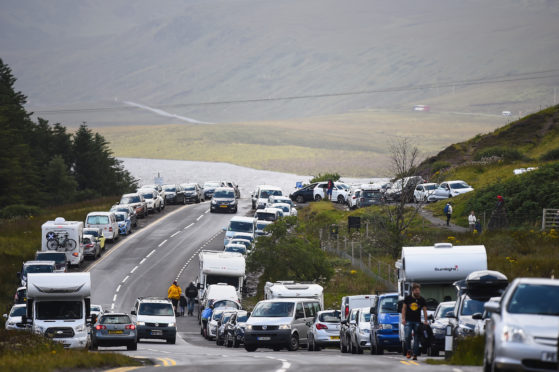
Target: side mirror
x=373 y=310
x=477 y=316
x=5 y=316
x=133 y=312
x=225 y=229
x=493 y=307
x=431 y=317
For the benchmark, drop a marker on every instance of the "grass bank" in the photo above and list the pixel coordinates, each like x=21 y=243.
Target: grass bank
x=24 y=351
x=468 y=352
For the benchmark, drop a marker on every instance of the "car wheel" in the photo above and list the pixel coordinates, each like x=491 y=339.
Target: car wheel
x=379 y=349
x=250 y=348
x=341 y=199
x=310 y=346
x=358 y=349
x=294 y=342
x=352 y=350
x=487 y=362
x=94 y=346
x=236 y=343
x=300 y=199
x=172 y=340
x=343 y=347
x=318 y=198
x=133 y=346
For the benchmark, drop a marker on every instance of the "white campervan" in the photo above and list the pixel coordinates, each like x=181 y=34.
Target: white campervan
x=221 y=267
x=63 y=236
x=106 y=221
x=58 y=307
x=291 y=289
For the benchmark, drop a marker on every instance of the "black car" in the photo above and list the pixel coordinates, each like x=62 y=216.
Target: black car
x=439 y=322
x=174 y=194
x=235 y=329
x=224 y=200
x=192 y=192
x=304 y=195
x=369 y=197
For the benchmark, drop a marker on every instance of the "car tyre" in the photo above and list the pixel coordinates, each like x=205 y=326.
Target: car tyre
x=172 y=340
x=351 y=348
x=250 y=348
x=310 y=346
x=294 y=343
x=343 y=347
x=300 y=199
x=133 y=346
x=94 y=346
x=341 y=199
x=318 y=198
x=379 y=350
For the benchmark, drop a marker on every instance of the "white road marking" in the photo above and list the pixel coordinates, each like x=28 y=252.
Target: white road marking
x=150 y=253
x=456 y=370
x=198 y=219
x=206 y=211
x=134 y=269
x=113 y=306
x=192 y=224
x=143 y=260
x=114 y=298
x=125 y=279
x=118 y=288
x=175 y=234
x=163 y=242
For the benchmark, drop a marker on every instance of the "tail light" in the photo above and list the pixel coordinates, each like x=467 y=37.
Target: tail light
x=346 y=311
x=89 y=245
x=100 y=327
x=110 y=229
x=75 y=254
x=321 y=326
x=130 y=326
x=354 y=197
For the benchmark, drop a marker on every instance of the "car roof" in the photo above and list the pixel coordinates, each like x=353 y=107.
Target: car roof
x=536 y=281
x=130 y=194
x=224 y=188
x=154 y=299
x=109 y=314
x=242 y=219
x=29 y=263
x=290 y=300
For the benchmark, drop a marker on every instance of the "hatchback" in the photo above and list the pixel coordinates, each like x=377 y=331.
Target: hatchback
x=114 y=329
x=325 y=330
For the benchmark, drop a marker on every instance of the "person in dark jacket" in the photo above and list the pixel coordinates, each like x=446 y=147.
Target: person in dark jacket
x=182 y=304
x=191 y=292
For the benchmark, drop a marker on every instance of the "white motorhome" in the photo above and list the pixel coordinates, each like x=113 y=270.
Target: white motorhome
x=290 y=289
x=58 y=307
x=221 y=267
x=64 y=236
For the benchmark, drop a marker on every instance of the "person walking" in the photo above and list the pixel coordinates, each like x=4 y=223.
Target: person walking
x=472 y=221
x=174 y=294
x=191 y=293
x=182 y=304
x=448 y=212
x=413 y=305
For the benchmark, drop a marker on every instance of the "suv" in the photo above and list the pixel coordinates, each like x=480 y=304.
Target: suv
x=209 y=188
x=174 y=194
x=155 y=318
x=192 y=192
x=223 y=199
x=262 y=193
x=137 y=202
x=152 y=198
x=304 y=194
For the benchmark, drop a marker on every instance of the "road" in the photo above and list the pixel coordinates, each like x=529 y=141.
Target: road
x=145 y=263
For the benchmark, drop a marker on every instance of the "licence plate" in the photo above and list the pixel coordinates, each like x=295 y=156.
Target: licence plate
x=263 y=338
x=156 y=333
x=549 y=356
x=115 y=332
x=334 y=337
x=223 y=206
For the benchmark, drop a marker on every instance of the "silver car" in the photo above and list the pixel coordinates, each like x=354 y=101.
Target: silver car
x=522 y=332
x=360 y=334
x=13 y=319
x=325 y=330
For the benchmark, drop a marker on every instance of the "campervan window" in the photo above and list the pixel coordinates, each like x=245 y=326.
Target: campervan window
x=231 y=280
x=59 y=310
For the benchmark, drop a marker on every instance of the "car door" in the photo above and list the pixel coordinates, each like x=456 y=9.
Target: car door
x=299 y=322
x=310 y=313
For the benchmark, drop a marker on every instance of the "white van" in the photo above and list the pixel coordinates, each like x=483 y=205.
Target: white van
x=262 y=193
x=239 y=225
x=106 y=221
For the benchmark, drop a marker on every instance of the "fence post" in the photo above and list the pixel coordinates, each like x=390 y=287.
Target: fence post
x=367 y=229
x=360 y=252
x=543 y=218
x=369 y=261
x=352 y=253
x=379 y=268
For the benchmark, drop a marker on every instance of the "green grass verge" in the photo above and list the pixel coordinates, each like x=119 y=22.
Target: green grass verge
x=24 y=351
x=468 y=352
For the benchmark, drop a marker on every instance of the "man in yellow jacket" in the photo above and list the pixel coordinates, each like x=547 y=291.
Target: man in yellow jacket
x=174 y=294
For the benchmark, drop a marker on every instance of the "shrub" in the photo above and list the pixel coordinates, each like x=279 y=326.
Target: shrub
x=438 y=165
x=325 y=177
x=19 y=210
x=506 y=153
x=550 y=155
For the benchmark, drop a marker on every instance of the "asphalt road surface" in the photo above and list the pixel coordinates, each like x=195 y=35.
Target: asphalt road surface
x=145 y=264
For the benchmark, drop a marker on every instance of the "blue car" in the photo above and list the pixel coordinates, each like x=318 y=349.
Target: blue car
x=385 y=324
x=124 y=223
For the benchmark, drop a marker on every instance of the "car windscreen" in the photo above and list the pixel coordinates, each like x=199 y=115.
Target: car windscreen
x=224 y=194
x=95 y=308
x=459 y=185
x=189 y=188
x=130 y=199
x=242 y=319
x=265 y=216
x=330 y=317
x=444 y=310
x=93 y=232
x=241 y=250
x=529 y=299
x=98 y=220
x=170 y=188
x=59 y=310
x=120 y=217
x=38 y=269
x=471 y=306
x=18 y=311
x=388 y=305
x=115 y=319
x=156 y=308
x=273 y=310
x=226 y=303
x=149 y=195
x=241 y=226
x=430 y=187
x=261 y=226
x=371 y=194
x=54 y=256
x=264 y=194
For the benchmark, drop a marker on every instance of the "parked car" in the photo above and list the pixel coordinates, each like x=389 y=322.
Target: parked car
x=224 y=200
x=31 y=267
x=235 y=329
x=403 y=188
x=220 y=333
x=159 y=190
x=124 y=223
x=339 y=191
x=385 y=321
x=237 y=224
x=345 y=330
x=480 y=326
x=155 y=318
x=96 y=310
x=423 y=191
x=304 y=194
x=131 y=213
x=209 y=188
x=236 y=248
x=59 y=258
x=106 y=221
x=13 y=318
x=235 y=187
x=286 y=208
x=262 y=193
x=245 y=242
x=267 y=214
x=114 y=329
x=98 y=233
x=260 y=226
x=353 y=197
x=91 y=246
x=522 y=332
x=439 y=322
x=325 y=330
x=137 y=202
x=360 y=334
x=214 y=322
x=174 y=194
x=369 y=195
x=449 y=189
x=20 y=296
x=193 y=192
x=153 y=200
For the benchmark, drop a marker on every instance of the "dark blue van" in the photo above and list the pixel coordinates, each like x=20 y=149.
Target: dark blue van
x=385 y=324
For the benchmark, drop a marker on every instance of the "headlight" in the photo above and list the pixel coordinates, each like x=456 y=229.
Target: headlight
x=249 y=327
x=171 y=324
x=214 y=202
x=439 y=330
x=465 y=330
x=364 y=331
x=80 y=328
x=140 y=323
x=11 y=323
x=386 y=326
x=285 y=326
x=513 y=334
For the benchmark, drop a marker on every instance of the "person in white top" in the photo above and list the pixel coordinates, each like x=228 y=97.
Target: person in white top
x=472 y=221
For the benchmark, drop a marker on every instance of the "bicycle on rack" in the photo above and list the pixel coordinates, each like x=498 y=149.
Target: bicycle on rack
x=55 y=241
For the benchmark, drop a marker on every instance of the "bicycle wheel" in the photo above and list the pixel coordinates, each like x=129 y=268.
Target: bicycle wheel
x=70 y=244
x=52 y=244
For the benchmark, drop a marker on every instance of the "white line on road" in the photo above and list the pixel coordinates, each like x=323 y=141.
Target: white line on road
x=125 y=279
x=206 y=211
x=175 y=234
x=192 y=224
x=150 y=253
x=113 y=306
x=163 y=242
x=134 y=269
x=114 y=298
x=118 y=288
x=143 y=260
x=456 y=370
x=198 y=219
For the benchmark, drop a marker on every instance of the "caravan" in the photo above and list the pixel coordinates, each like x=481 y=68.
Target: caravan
x=64 y=236
x=290 y=289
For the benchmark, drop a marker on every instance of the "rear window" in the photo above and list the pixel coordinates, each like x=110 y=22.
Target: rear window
x=130 y=199
x=120 y=217
x=91 y=232
x=98 y=220
x=115 y=319
x=330 y=317
x=47 y=256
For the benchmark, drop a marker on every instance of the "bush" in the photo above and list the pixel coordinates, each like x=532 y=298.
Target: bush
x=19 y=210
x=438 y=165
x=550 y=155
x=506 y=153
x=325 y=177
